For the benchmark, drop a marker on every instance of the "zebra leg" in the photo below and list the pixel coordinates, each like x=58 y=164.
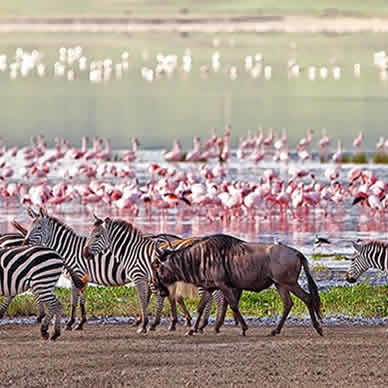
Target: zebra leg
x=202 y=303
x=159 y=308
x=173 y=314
x=222 y=305
x=57 y=325
x=4 y=306
x=142 y=289
x=205 y=320
x=185 y=311
x=75 y=294
x=41 y=312
x=80 y=326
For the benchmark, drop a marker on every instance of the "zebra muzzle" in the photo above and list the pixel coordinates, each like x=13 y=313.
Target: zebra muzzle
x=87 y=254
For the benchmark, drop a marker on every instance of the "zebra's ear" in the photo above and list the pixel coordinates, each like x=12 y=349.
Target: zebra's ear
x=107 y=220
x=32 y=213
x=42 y=211
x=98 y=221
x=356 y=246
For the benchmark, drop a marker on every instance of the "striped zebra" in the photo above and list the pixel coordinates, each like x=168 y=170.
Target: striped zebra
x=368 y=254
x=106 y=269
x=8 y=240
x=36 y=268
x=129 y=245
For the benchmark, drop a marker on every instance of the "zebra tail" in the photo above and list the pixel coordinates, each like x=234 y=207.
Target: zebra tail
x=79 y=282
x=316 y=300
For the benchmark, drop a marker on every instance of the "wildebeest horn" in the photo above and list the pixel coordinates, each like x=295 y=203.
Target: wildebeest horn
x=356 y=246
x=32 y=213
x=165 y=251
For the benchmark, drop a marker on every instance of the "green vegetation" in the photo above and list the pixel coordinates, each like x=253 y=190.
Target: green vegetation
x=191 y=8
x=380 y=158
x=320 y=256
x=359 y=300
x=186 y=104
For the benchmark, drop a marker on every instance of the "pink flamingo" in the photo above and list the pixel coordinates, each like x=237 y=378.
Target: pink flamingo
x=358 y=140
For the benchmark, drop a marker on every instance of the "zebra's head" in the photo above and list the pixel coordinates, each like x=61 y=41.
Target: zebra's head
x=39 y=232
x=98 y=240
x=160 y=273
x=359 y=263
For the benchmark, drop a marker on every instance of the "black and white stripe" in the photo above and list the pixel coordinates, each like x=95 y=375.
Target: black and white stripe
x=368 y=254
x=36 y=268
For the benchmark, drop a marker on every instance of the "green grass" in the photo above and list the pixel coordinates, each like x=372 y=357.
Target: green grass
x=380 y=158
x=359 y=300
x=183 y=106
x=179 y=8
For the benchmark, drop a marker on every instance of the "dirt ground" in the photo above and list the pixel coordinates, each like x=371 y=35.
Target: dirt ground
x=117 y=356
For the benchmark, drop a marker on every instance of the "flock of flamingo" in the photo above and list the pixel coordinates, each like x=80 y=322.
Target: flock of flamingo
x=72 y=63
x=65 y=175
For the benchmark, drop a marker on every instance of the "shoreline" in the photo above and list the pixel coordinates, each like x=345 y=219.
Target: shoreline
x=259 y=24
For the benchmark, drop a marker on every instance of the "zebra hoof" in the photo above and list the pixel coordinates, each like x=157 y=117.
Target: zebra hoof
x=55 y=335
x=274 y=332
x=172 y=328
x=78 y=327
x=190 y=332
x=68 y=327
x=152 y=328
x=40 y=318
x=45 y=334
x=320 y=331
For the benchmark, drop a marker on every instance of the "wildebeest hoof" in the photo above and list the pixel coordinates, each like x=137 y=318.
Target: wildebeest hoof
x=274 y=332
x=141 y=330
x=200 y=330
x=171 y=328
x=68 y=327
x=152 y=328
x=190 y=332
x=188 y=324
x=320 y=331
x=79 y=327
x=216 y=330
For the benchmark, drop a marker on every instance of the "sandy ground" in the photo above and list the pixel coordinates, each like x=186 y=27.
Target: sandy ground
x=117 y=356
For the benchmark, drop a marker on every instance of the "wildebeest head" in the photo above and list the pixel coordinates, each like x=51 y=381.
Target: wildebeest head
x=98 y=240
x=39 y=232
x=161 y=275
x=359 y=264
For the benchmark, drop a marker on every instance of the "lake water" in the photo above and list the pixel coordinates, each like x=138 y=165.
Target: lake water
x=343 y=224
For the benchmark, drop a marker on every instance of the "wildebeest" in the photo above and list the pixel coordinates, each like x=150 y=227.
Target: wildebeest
x=232 y=265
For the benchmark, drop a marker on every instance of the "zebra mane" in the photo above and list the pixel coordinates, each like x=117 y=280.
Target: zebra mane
x=122 y=224
x=61 y=223
x=374 y=244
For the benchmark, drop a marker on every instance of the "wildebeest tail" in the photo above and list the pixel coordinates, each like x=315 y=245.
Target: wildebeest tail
x=316 y=300
x=79 y=282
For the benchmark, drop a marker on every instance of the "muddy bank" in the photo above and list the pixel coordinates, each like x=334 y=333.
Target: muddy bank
x=117 y=356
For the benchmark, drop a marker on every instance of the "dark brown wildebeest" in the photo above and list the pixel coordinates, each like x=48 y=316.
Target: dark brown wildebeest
x=232 y=265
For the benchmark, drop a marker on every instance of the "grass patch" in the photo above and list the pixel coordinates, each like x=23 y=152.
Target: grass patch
x=360 y=300
x=380 y=158
x=320 y=256
x=360 y=158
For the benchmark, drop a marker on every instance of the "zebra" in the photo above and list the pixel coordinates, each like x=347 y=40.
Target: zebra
x=368 y=254
x=37 y=268
x=106 y=269
x=129 y=245
x=8 y=240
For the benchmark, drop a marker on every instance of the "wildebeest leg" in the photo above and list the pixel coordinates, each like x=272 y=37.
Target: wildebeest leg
x=173 y=314
x=185 y=311
x=306 y=298
x=142 y=291
x=232 y=296
x=202 y=304
x=287 y=305
x=159 y=308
